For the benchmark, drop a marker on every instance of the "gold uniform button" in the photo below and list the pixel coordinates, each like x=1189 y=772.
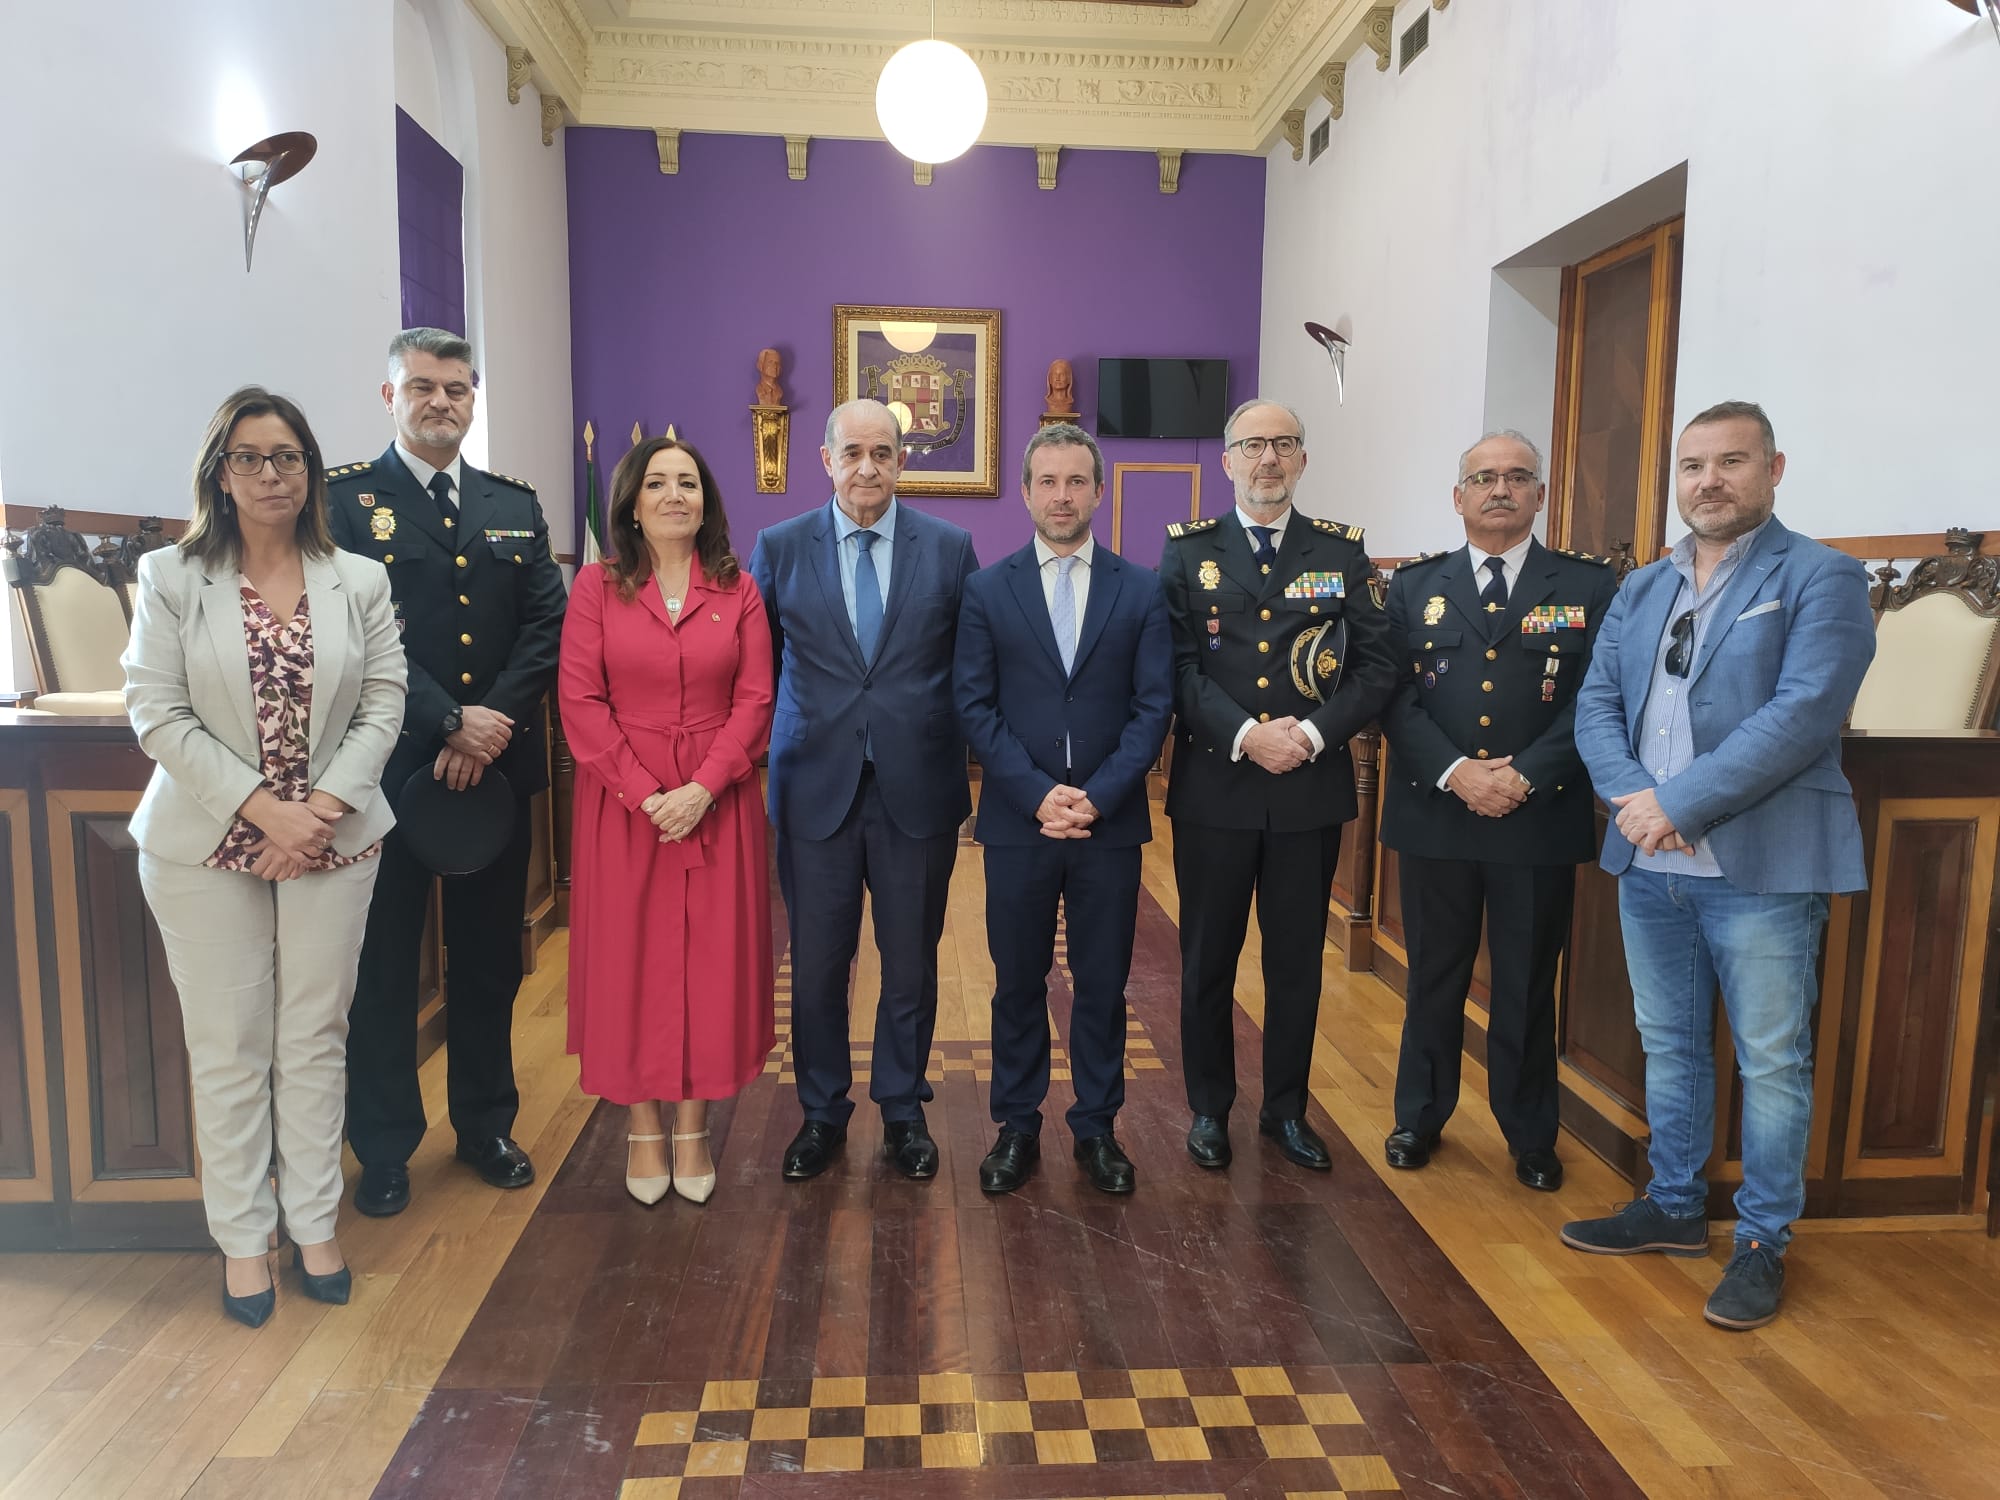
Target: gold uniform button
x=1430 y=645
x=1263 y=718
x=465 y=640
x=463 y=600
x=1484 y=722
x=1263 y=614
x=1485 y=687
x=1555 y=650
x=460 y=561
x=1491 y=654
x=1263 y=682
x=388 y=557
x=1482 y=755
x=1263 y=645
x=517 y=557
x=1312 y=609
x=465 y=677
x=1215 y=609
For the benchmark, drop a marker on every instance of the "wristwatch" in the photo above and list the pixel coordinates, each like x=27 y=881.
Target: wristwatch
x=453 y=721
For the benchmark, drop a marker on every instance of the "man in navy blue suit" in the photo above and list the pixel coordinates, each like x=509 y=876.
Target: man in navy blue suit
x=867 y=775
x=1064 y=682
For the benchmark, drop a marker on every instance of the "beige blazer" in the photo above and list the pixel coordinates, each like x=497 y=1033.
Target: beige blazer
x=187 y=688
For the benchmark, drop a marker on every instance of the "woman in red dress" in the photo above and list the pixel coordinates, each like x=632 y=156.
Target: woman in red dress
x=666 y=702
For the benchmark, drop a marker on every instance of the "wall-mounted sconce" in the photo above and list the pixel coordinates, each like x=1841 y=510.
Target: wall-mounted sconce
x=1336 y=348
x=262 y=167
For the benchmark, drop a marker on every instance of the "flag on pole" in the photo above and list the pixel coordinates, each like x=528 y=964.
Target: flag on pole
x=593 y=521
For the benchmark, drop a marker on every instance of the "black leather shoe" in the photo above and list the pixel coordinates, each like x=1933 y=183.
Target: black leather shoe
x=1208 y=1140
x=1539 y=1169
x=910 y=1149
x=1407 y=1150
x=334 y=1286
x=251 y=1311
x=1010 y=1161
x=1297 y=1141
x=383 y=1190
x=811 y=1150
x=1106 y=1164
x=497 y=1159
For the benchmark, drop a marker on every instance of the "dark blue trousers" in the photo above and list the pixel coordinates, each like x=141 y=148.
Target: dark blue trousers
x=1098 y=888
x=907 y=880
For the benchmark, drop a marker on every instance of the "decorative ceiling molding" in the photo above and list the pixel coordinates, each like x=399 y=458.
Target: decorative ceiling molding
x=1217 y=75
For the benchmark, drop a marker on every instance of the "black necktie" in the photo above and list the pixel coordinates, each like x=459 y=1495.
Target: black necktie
x=1494 y=595
x=440 y=488
x=1267 y=555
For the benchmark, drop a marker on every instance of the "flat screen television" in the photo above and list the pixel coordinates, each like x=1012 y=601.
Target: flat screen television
x=1162 y=398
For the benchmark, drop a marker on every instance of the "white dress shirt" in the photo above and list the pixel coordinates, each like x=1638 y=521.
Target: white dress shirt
x=1277 y=529
x=1079 y=581
x=424 y=471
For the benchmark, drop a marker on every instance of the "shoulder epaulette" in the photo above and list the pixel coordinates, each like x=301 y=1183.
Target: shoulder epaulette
x=360 y=468
x=1602 y=562
x=519 y=484
x=1336 y=528
x=1421 y=557
x=1178 y=529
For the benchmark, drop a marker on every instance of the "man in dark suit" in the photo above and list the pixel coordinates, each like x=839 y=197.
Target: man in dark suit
x=1064 y=682
x=480 y=602
x=867 y=775
x=1486 y=804
x=1280 y=657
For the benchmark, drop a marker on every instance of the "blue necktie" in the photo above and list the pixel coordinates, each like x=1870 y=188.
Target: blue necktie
x=867 y=597
x=1062 y=614
x=1267 y=555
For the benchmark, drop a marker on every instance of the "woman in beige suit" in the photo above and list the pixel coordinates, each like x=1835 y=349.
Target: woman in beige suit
x=265 y=677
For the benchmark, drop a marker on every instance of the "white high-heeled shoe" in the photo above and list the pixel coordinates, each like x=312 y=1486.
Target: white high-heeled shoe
x=695 y=1189
x=648 y=1190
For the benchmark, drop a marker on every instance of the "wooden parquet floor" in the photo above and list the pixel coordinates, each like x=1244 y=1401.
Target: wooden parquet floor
x=1541 y=1372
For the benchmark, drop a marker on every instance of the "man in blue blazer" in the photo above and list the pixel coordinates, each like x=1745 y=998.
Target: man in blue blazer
x=1064 y=681
x=1710 y=720
x=867 y=775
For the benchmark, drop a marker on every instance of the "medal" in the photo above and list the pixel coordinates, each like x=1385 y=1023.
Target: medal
x=1434 y=609
x=1430 y=679
x=1210 y=574
x=1548 y=690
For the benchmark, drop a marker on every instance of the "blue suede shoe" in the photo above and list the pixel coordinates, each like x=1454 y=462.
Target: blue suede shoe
x=1636 y=1228
x=1751 y=1288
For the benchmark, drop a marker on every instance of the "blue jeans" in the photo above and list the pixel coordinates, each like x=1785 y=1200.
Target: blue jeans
x=1684 y=934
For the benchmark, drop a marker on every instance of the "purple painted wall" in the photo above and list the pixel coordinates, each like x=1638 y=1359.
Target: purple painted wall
x=676 y=283
x=430 y=229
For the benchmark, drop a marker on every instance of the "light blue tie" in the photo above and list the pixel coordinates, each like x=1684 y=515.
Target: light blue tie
x=867 y=597
x=1062 y=614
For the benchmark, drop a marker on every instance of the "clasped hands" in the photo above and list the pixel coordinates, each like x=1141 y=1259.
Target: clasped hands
x=1278 y=745
x=677 y=812
x=296 y=834
x=472 y=747
x=1491 y=788
x=1066 y=813
x=1641 y=819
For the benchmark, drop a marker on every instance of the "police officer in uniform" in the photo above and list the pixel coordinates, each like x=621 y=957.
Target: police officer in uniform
x=480 y=602
x=1280 y=656
x=1486 y=801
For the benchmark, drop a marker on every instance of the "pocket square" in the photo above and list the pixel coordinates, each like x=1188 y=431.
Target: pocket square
x=1762 y=609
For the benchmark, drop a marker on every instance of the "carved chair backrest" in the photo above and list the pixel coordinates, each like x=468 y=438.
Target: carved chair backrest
x=1937 y=644
x=75 y=601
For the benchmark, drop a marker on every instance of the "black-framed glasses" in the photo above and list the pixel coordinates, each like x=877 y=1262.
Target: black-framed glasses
x=1680 y=655
x=1253 y=447
x=249 y=465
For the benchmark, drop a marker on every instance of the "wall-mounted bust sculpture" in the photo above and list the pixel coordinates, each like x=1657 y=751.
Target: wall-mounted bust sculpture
x=1062 y=388
x=769 y=392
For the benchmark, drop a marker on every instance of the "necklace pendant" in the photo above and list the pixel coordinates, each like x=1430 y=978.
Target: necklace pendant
x=673 y=604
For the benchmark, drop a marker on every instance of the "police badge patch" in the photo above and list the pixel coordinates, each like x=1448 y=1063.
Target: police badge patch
x=382 y=523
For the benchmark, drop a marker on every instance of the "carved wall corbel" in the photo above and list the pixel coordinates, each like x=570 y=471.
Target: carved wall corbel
x=1295 y=132
x=551 y=118
x=795 y=157
x=1170 y=170
x=1439 y=4
x=1333 y=84
x=1378 y=32
x=921 y=173
x=669 y=142
x=519 y=60
x=1045 y=167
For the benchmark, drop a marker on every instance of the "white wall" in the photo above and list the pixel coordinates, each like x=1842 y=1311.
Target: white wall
x=1843 y=191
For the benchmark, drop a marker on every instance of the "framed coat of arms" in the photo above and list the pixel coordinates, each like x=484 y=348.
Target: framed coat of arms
x=938 y=370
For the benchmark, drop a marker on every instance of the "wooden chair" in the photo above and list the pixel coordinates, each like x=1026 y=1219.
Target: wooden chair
x=76 y=606
x=1937 y=645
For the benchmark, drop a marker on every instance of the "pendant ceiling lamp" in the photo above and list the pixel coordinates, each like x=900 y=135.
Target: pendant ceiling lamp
x=931 y=99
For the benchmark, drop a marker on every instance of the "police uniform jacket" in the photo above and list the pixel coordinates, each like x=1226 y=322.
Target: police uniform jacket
x=480 y=603
x=1234 y=628
x=1485 y=684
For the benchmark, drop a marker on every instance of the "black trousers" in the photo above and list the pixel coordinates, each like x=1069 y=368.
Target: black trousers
x=482 y=939
x=1098 y=890
x=1527 y=911
x=823 y=880
x=1290 y=875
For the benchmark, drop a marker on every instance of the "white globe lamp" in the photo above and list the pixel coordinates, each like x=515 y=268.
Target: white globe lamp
x=931 y=101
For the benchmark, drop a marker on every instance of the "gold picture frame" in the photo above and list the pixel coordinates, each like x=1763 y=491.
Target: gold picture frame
x=938 y=368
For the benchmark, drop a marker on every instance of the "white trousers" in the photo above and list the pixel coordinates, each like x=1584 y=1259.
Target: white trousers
x=266 y=974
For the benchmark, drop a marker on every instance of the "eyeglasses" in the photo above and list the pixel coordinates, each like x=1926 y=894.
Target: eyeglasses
x=249 y=465
x=1486 y=479
x=1253 y=447
x=1679 y=654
